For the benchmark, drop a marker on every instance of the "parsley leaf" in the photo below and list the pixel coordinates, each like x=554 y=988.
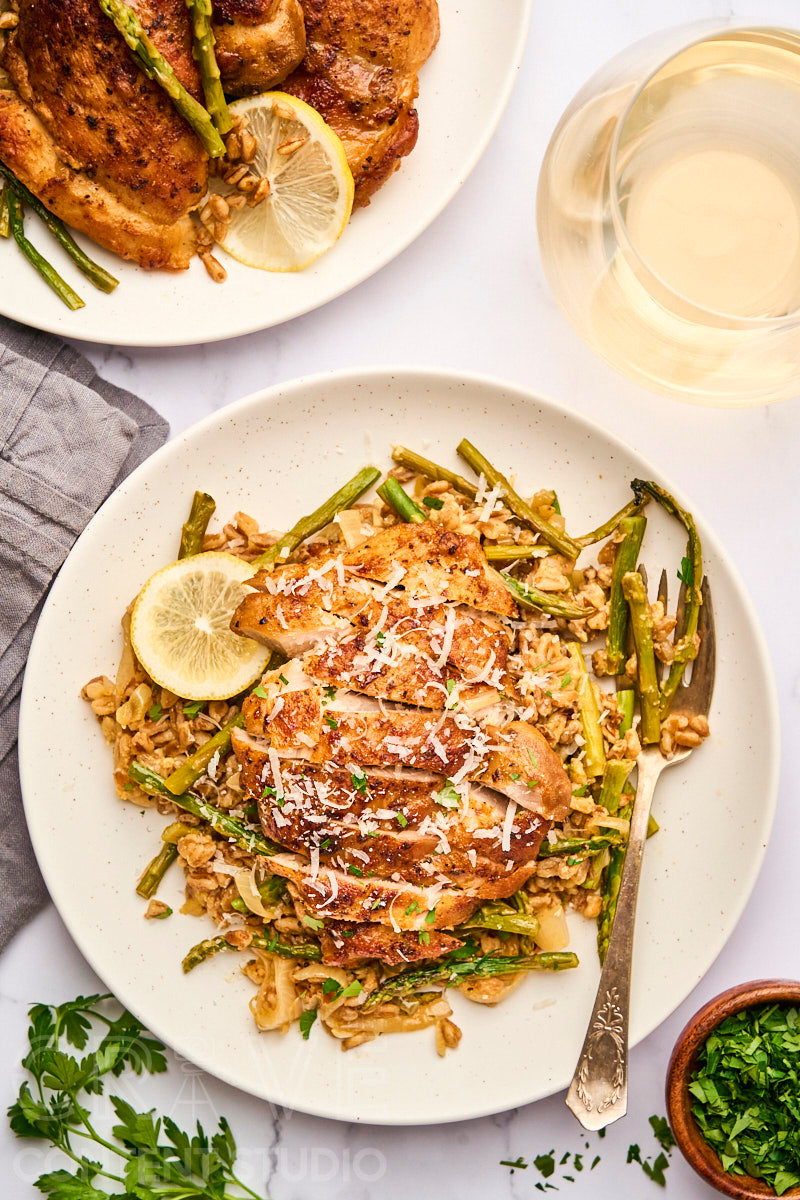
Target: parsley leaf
x=193 y=709
x=686 y=572
x=305 y=1022
x=545 y=1164
x=359 y=782
x=435 y=502
x=662 y=1132
x=155 y=712
x=331 y=721
x=259 y=691
x=313 y=922
x=380 y=639
x=448 y=797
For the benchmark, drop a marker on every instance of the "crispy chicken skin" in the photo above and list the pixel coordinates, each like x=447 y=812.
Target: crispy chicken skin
x=258 y=42
x=93 y=137
x=360 y=72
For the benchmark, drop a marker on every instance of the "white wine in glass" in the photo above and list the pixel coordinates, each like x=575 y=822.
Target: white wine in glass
x=669 y=214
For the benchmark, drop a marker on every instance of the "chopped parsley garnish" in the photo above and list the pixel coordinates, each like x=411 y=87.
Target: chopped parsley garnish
x=267 y=792
x=155 y=712
x=566 y=681
x=259 y=691
x=581 y=791
x=533 y=783
x=380 y=638
x=545 y=1164
x=355 y=871
x=333 y=985
x=282 y=679
x=745 y=1086
x=534 y=762
x=448 y=797
x=307 y=1019
x=518 y=1164
x=329 y=692
x=653 y=1170
x=430 y=916
x=451 y=683
x=662 y=1132
x=686 y=572
x=402 y=820
x=359 y=782
x=433 y=502
x=313 y=922
x=331 y=722
x=192 y=710
x=325 y=844
x=424 y=937
x=412 y=908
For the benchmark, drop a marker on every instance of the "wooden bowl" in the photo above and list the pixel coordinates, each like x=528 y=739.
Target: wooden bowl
x=690 y=1141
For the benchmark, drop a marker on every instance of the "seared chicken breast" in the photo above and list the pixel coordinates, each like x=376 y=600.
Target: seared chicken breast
x=96 y=140
x=360 y=72
x=377 y=756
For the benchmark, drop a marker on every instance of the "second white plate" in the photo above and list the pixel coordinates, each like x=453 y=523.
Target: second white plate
x=277 y=455
x=464 y=88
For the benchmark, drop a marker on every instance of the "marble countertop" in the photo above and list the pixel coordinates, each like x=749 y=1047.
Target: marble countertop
x=470 y=294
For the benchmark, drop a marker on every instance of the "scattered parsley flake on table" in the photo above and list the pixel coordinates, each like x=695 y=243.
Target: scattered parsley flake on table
x=547 y=1166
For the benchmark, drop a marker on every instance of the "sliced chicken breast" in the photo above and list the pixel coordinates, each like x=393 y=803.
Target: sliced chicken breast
x=345 y=945
x=431 y=561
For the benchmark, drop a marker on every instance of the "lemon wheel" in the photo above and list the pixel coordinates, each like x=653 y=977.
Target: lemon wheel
x=311 y=186
x=180 y=628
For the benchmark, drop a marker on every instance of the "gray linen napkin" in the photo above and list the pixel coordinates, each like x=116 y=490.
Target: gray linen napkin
x=67 y=438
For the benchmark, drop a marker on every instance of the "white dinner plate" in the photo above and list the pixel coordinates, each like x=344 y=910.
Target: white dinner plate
x=277 y=455
x=464 y=88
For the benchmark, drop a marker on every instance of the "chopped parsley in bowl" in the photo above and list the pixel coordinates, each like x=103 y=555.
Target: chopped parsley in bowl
x=733 y=1090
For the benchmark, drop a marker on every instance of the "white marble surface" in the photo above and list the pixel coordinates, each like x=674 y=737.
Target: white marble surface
x=470 y=294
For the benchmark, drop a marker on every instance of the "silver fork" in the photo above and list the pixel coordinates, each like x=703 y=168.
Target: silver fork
x=598 y=1094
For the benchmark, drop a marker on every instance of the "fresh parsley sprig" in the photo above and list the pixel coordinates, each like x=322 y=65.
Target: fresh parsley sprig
x=149 y=1157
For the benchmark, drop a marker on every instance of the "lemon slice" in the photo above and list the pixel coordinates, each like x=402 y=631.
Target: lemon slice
x=180 y=628
x=311 y=186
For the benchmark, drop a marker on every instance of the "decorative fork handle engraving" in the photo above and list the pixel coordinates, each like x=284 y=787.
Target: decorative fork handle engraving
x=608 y=1025
x=598 y=1093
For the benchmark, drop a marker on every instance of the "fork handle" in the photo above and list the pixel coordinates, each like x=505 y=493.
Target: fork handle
x=598 y=1094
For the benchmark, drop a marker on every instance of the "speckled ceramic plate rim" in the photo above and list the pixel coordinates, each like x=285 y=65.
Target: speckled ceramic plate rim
x=51 y=860
x=186 y=308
